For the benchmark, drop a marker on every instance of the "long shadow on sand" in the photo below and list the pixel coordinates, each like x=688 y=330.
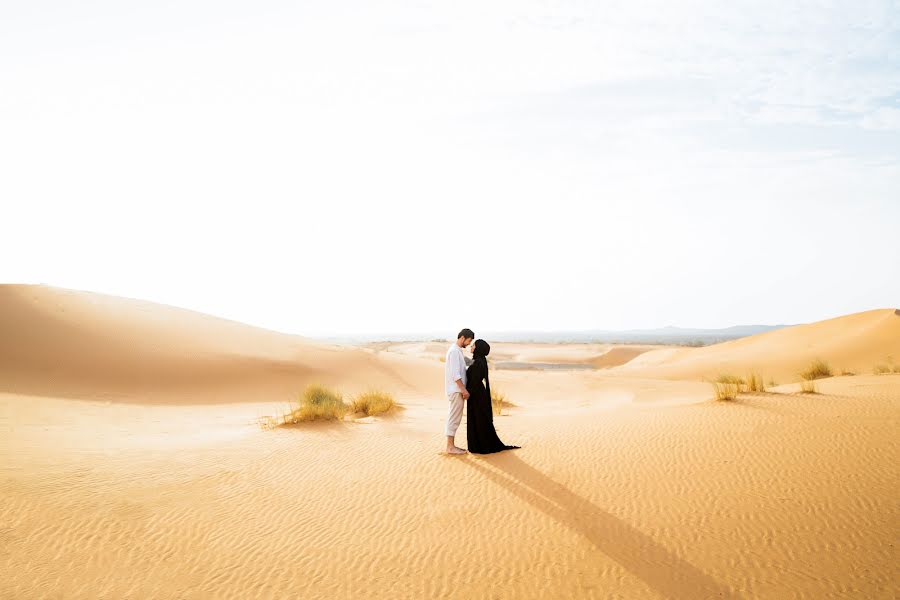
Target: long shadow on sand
x=667 y=574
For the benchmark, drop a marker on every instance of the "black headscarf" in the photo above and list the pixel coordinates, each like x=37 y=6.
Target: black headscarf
x=479 y=354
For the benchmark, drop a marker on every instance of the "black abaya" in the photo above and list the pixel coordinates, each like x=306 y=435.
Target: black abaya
x=482 y=437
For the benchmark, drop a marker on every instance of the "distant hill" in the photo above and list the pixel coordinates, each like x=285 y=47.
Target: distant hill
x=68 y=343
x=855 y=343
x=666 y=335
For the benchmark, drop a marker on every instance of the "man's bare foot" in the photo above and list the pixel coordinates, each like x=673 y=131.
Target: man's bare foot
x=455 y=450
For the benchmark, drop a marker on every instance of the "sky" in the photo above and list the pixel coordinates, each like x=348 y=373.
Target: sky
x=358 y=167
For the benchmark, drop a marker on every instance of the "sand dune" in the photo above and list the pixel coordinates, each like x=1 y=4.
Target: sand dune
x=619 y=355
x=596 y=355
x=69 y=343
x=135 y=478
x=856 y=343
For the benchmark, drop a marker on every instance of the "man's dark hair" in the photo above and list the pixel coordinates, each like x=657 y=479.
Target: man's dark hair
x=466 y=333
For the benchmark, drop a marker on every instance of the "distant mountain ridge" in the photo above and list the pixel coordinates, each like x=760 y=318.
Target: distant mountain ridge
x=663 y=335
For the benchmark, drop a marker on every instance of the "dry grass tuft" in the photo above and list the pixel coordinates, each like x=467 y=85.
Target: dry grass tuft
x=818 y=369
x=847 y=373
x=881 y=369
x=320 y=403
x=499 y=400
x=727 y=387
x=808 y=386
x=317 y=403
x=373 y=402
x=755 y=383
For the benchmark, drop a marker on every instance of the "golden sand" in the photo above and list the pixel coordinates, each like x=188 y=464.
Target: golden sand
x=132 y=467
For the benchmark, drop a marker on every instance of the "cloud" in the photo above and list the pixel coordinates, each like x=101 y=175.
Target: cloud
x=608 y=150
x=882 y=119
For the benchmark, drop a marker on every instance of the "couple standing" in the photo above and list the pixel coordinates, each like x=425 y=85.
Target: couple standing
x=470 y=385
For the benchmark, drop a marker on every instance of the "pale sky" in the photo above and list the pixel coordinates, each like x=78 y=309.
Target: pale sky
x=357 y=167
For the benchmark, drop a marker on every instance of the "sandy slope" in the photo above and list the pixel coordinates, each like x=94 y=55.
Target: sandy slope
x=60 y=342
x=626 y=487
x=599 y=355
x=856 y=343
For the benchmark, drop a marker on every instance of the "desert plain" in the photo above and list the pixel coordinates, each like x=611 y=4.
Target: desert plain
x=133 y=464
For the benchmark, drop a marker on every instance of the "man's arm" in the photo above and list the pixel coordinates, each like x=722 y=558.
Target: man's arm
x=459 y=369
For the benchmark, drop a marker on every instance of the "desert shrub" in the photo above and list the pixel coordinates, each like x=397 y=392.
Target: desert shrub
x=881 y=369
x=317 y=402
x=498 y=401
x=817 y=369
x=727 y=387
x=755 y=383
x=808 y=386
x=372 y=402
x=847 y=373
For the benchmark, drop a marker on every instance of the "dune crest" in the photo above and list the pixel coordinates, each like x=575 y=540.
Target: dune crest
x=855 y=342
x=71 y=343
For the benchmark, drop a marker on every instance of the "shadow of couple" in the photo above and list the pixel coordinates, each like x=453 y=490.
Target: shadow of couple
x=662 y=570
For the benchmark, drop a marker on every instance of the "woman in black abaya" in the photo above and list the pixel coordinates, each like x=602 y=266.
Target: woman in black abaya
x=482 y=436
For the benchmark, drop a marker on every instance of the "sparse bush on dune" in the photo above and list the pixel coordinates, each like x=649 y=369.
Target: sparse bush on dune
x=847 y=373
x=755 y=383
x=317 y=403
x=727 y=387
x=881 y=369
x=320 y=403
x=818 y=369
x=808 y=386
x=772 y=383
x=373 y=402
x=498 y=401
